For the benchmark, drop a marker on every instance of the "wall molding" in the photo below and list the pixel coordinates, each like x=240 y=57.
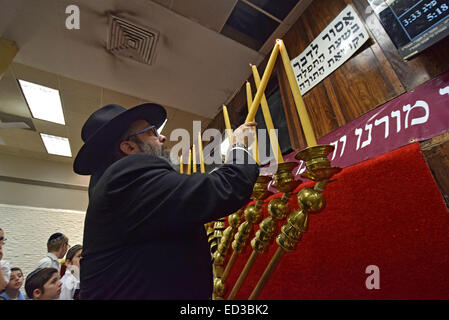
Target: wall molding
x=43 y=183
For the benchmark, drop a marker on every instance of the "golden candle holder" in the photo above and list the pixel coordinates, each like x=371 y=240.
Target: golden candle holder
x=225 y=242
x=220 y=254
x=219 y=226
x=211 y=237
x=278 y=209
x=253 y=215
x=310 y=200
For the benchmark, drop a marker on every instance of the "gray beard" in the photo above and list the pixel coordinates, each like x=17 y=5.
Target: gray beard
x=154 y=150
x=150 y=149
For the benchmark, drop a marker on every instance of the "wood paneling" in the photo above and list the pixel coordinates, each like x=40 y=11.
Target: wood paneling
x=360 y=85
x=436 y=153
x=425 y=66
x=374 y=75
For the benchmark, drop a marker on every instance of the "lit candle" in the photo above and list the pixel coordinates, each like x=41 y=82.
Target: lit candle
x=263 y=83
x=189 y=166
x=200 y=147
x=300 y=106
x=194 y=158
x=181 y=168
x=227 y=124
x=249 y=101
x=268 y=121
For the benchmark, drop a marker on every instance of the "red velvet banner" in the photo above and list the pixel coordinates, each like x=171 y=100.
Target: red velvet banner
x=385 y=212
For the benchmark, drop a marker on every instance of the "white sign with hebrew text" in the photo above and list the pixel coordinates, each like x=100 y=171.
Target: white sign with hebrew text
x=335 y=44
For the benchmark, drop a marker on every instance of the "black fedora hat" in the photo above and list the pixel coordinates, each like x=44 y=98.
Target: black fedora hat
x=105 y=126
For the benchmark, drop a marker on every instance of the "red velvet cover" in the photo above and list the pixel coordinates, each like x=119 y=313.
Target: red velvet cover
x=386 y=212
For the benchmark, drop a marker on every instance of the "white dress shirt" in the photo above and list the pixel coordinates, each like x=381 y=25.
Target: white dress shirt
x=70 y=283
x=4 y=265
x=50 y=261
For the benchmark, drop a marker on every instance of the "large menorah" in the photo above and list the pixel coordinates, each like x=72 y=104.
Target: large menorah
x=310 y=200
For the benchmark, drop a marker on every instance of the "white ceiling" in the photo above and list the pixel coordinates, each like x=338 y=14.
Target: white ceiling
x=195 y=69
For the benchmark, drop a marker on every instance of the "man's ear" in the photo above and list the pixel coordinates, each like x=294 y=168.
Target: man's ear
x=37 y=293
x=129 y=147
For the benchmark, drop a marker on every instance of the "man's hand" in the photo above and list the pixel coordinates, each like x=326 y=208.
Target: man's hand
x=244 y=134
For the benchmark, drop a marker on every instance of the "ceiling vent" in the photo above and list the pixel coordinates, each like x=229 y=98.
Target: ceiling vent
x=131 y=41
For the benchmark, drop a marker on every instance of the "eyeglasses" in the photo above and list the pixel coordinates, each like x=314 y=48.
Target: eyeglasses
x=150 y=128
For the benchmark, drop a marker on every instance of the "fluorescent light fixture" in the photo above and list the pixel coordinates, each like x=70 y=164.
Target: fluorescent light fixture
x=162 y=127
x=56 y=145
x=44 y=102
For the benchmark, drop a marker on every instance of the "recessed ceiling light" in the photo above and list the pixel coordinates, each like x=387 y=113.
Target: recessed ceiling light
x=56 y=145
x=44 y=102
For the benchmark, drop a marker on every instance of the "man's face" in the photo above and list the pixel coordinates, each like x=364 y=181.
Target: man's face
x=148 y=142
x=16 y=280
x=52 y=289
x=63 y=250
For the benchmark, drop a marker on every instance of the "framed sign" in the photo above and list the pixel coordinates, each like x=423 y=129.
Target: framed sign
x=335 y=44
x=413 y=25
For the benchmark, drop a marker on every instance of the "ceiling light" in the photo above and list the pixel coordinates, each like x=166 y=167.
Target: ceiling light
x=162 y=127
x=44 y=102
x=56 y=145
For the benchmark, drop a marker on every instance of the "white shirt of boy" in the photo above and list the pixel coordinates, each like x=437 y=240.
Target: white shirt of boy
x=70 y=283
x=50 y=261
x=4 y=265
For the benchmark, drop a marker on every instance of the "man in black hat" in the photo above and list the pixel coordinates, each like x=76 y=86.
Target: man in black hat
x=144 y=235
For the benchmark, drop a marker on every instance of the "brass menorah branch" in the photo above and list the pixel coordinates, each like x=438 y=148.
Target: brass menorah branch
x=278 y=209
x=310 y=200
x=253 y=215
x=222 y=249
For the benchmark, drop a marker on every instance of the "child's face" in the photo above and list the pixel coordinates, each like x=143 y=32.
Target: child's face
x=52 y=288
x=16 y=280
x=76 y=258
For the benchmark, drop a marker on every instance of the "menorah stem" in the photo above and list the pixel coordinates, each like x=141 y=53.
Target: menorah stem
x=267 y=273
x=229 y=266
x=319 y=186
x=243 y=275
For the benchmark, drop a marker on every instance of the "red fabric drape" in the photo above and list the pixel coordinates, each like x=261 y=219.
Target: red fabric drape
x=386 y=212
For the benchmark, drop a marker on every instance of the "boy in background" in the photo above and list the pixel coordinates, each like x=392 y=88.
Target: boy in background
x=57 y=246
x=71 y=279
x=12 y=291
x=43 y=284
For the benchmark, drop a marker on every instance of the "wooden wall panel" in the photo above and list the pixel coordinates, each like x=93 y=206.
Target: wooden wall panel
x=371 y=77
x=360 y=85
x=425 y=66
x=320 y=111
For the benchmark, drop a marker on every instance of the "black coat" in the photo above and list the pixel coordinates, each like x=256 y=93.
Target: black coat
x=144 y=235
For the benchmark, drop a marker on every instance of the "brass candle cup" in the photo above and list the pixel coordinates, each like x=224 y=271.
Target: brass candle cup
x=310 y=200
x=317 y=163
x=278 y=208
x=253 y=213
